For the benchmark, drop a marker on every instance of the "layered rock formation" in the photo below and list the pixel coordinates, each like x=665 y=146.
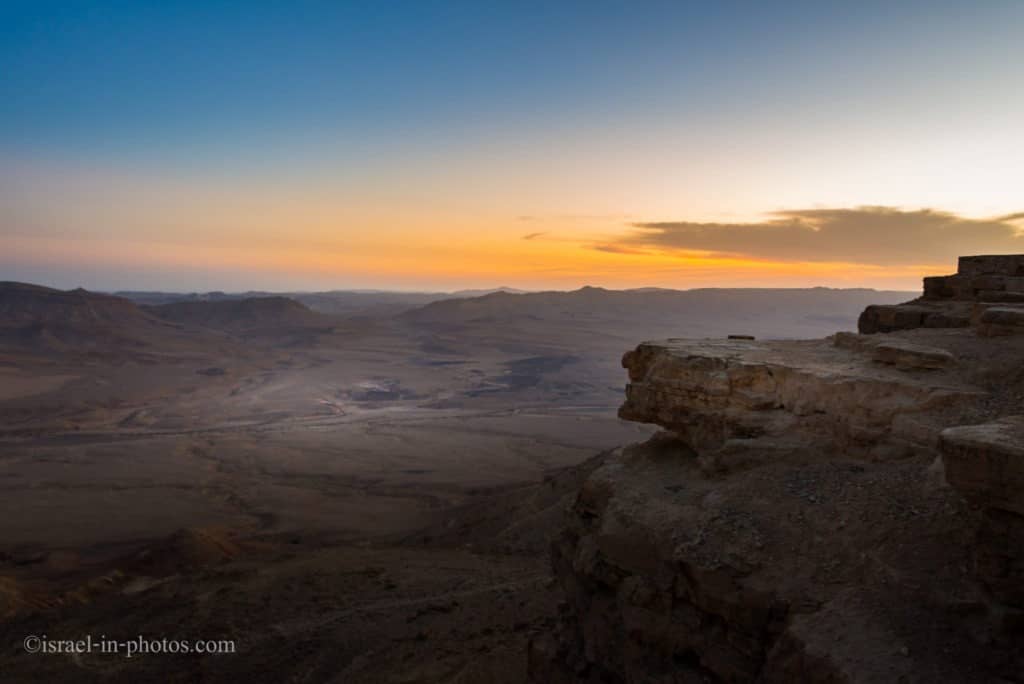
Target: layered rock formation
x=987 y=292
x=848 y=509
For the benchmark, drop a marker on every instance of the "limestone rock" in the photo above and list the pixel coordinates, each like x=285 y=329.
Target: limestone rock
x=887 y=318
x=718 y=395
x=883 y=318
x=1000 y=264
x=986 y=462
x=895 y=351
x=947 y=301
x=1001 y=320
x=809 y=514
x=811 y=567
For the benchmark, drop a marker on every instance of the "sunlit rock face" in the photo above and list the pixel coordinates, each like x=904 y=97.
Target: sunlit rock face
x=847 y=509
x=723 y=397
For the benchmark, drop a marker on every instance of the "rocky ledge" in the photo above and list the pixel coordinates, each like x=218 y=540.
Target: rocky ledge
x=986 y=293
x=848 y=509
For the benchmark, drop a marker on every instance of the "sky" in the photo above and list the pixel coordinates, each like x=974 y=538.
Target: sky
x=541 y=145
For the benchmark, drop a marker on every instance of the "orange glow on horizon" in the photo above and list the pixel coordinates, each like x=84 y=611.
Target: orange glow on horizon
x=474 y=263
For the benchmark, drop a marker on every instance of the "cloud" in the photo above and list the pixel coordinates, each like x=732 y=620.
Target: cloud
x=618 y=249
x=534 y=236
x=865 y=235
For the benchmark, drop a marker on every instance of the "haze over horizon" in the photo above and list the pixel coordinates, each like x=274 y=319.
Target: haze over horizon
x=418 y=146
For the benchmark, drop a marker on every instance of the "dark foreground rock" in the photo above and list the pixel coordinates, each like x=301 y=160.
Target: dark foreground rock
x=841 y=510
x=985 y=463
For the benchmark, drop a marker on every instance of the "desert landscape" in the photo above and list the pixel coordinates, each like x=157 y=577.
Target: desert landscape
x=569 y=342
x=387 y=481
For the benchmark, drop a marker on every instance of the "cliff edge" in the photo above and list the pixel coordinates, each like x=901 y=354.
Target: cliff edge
x=846 y=509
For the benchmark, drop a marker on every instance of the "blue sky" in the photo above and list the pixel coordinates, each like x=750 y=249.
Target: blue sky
x=487 y=111
x=126 y=78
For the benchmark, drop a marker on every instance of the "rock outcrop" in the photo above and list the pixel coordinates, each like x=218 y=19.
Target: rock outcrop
x=987 y=292
x=848 y=509
x=725 y=397
x=985 y=463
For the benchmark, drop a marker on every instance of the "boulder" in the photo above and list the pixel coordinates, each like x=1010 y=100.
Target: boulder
x=985 y=462
x=889 y=317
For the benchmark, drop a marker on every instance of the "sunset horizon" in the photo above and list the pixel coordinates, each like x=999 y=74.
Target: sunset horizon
x=632 y=259
x=419 y=147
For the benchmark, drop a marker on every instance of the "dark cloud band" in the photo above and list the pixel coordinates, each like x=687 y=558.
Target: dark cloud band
x=867 y=235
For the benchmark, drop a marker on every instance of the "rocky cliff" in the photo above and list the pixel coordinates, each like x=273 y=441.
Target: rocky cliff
x=847 y=509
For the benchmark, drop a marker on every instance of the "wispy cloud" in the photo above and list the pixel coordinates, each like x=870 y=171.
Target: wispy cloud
x=618 y=249
x=866 y=235
x=534 y=236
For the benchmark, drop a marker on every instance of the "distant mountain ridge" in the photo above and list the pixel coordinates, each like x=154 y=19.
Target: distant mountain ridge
x=681 y=313
x=333 y=302
x=24 y=304
x=39 y=318
x=34 y=318
x=240 y=314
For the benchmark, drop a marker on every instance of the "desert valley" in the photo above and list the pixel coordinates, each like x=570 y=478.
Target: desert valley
x=460 y=490
x=385 y=479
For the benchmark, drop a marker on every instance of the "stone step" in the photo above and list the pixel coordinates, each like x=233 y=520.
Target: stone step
x=998 y=264
x=948 y=287
x=895 y=351
x=999 y=320
x=892 y=317
x=971 y=288
x=1000 y=296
